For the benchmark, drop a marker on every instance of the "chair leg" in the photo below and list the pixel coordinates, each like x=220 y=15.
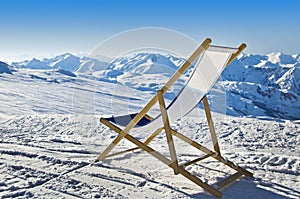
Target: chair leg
x=211 y=125
x=168 y=130
x=109 y=148
x=122 y=152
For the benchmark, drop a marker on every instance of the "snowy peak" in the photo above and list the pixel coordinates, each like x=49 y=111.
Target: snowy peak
x=53 y=60
x=282 y=59
x=155 y=63
x=65 y=61
x=251 y=59
x=271 y=60
x=176 y=60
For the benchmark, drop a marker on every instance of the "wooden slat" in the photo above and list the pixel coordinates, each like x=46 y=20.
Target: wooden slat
x=195 y=160
x=136 y=148
x=122 y=152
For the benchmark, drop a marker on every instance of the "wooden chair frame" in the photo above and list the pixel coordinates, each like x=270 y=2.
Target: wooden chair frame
x=173 y=162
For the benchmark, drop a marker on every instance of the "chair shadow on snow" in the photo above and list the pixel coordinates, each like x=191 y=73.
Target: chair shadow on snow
x=247 y=189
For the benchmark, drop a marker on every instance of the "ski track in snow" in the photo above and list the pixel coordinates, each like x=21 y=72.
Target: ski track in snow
x=51 y=156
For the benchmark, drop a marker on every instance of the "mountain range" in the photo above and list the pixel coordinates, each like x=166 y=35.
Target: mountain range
x=252 y=86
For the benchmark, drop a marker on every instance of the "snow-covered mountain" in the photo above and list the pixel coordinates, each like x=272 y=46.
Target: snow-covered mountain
x=274 y=70
x=255 y=85
x=65 y=61
x=270 y=83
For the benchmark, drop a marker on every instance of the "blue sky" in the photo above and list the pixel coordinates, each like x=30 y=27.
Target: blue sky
x=49 y=27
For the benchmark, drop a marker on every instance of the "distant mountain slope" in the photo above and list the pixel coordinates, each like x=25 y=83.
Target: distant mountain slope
x=89 y=66
x=145 y=63
x=274 y=70
x=270 y=83
x=32 y=64
x=255 y=85
x=65 y=61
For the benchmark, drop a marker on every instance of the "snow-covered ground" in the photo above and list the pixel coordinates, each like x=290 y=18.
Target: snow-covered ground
x=50 y=135
x=50 y=155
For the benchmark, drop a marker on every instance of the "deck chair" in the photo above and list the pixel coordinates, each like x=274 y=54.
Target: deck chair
x=209 y=61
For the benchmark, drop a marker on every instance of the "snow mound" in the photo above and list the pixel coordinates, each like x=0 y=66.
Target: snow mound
x=65 y=72
x=5 y=68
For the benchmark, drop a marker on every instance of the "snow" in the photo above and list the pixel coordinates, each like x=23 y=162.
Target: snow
x=50 y=132
x=50 y=155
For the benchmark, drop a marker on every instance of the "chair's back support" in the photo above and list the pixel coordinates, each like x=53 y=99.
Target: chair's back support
x=207 y=70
